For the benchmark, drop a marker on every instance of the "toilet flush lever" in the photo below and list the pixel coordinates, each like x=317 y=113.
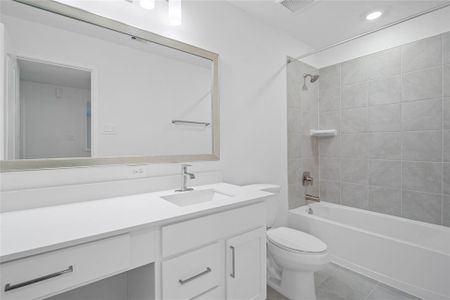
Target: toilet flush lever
x=307 y=179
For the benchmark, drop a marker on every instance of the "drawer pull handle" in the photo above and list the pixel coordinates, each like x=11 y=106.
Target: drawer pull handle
x=233 y=262
x=9 y=287
x=184 y=281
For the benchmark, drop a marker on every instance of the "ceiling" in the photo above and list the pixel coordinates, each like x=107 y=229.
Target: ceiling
x=53 y=74
x=325 y=22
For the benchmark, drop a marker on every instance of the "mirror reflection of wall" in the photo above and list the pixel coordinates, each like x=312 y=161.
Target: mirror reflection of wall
x=48 y=110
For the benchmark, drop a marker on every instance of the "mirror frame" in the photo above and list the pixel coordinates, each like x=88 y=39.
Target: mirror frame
x=87 y=17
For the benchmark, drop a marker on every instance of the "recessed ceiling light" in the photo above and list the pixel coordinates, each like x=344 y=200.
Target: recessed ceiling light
x=374 y=15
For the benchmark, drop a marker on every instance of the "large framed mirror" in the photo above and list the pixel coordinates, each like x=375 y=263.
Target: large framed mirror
x=84 y=90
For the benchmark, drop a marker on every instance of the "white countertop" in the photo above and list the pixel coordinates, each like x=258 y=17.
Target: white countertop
x=29 y=232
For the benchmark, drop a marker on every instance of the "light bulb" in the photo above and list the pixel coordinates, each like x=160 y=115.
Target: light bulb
x=175 y=12
x=374 y=15
x=147 y=4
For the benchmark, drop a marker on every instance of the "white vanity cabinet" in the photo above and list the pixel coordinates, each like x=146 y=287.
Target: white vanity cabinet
x=246 y=266
x=220 y=255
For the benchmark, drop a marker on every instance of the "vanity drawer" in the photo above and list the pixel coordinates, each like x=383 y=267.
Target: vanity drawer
x=191 y=274
x=194 y=233
x=49 y=273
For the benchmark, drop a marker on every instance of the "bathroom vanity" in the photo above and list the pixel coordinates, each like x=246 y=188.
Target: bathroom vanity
x=204 y=244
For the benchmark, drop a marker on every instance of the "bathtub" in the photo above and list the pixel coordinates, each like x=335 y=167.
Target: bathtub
x=408 y=255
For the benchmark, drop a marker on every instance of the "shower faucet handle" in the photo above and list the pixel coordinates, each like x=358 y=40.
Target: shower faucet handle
x=307 y=179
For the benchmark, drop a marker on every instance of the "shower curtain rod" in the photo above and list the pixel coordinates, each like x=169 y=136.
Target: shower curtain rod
x=298 y=58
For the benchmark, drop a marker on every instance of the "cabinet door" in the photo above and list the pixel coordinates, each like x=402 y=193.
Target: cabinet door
x=246 y=266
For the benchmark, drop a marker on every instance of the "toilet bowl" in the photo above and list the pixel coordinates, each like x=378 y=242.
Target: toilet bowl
x=294 y=256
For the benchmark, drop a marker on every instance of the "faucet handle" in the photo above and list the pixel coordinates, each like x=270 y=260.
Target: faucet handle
x=186 y=165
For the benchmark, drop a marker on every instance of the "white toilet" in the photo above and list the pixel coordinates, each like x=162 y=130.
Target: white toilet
x=293 y=256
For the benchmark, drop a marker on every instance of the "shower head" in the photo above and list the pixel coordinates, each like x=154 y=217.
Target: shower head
x=312 y=79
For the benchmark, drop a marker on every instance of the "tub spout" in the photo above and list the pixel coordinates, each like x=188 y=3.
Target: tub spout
x=309 y=197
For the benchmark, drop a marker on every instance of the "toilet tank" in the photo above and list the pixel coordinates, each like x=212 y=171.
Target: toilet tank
x=271 y=202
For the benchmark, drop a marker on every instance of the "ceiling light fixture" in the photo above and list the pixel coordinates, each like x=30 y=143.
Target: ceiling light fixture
x=147 y=4
x=374 y=15
x=175 y=12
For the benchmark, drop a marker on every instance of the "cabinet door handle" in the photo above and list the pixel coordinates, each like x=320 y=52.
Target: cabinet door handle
x=233 y=262
x=9 y=287
x=184 y=281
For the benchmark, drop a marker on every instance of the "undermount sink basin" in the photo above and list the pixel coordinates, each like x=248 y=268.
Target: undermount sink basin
x=195 y=197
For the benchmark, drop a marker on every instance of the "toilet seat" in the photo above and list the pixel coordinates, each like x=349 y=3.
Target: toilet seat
x=295 y=241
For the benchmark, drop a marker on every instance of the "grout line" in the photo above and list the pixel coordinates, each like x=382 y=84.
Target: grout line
x=340 y=133
x=442 y=128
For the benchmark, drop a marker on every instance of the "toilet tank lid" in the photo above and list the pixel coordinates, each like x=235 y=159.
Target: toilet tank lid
x=296 y=240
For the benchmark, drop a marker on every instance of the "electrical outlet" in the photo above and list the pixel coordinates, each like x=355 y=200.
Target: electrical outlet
x=138 y=172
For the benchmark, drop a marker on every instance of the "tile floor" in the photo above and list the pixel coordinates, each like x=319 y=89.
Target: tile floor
x=337 y=283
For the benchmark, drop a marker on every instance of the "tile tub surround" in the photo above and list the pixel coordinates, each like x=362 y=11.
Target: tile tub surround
x=392 y=112
x=337 y=283
x=302 y=113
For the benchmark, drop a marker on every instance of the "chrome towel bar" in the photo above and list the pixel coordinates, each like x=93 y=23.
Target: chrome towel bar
x=177 y=122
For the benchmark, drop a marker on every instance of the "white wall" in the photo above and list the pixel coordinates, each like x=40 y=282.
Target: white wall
x=2 y=88
x=416 y=29
x=252 y=90
x=53 y=126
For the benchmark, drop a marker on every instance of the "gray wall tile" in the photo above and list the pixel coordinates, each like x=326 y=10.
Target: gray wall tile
x=422 y=207
x=354 y=71
x=329 y=97
x=422 y=54
x=295 y=196
x=446 y=106
x=354 y=171
x=446 y=210
x=446 y=81
x=329 y=169
x=329 y=146
x=446 y=179
x=294 y=145
x=422 y=115
x=385 y=200
x=385 y=145
x=308 y=146
x=446 y=47
x=385 y=173
x=330 y=120
x=294 y=167
x=392 y=110
x=385 y=118
x=422 y=146
x=354 y=195
x=385 y=63
x=354 y=120
x=354 y=145
x=293 y=119
x=446 y=145
x=308 y=121
x=385 y=91
x=330 y=191
x=422 y=176
x=355 y=95
x=422 y=84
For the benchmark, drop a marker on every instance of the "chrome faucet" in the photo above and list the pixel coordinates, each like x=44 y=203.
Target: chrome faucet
x=184 y=176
